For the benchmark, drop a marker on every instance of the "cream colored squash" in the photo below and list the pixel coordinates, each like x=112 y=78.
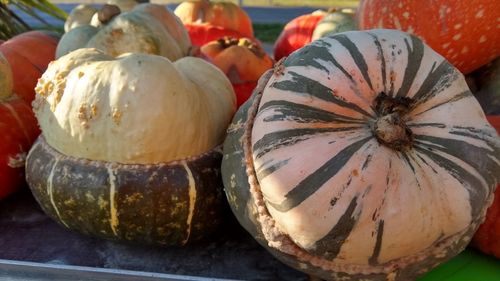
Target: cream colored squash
x=134 y=109
x=148 y=28
x=80 y=15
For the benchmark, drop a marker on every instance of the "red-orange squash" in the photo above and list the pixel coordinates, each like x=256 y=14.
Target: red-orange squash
x=18 y=130
x=242 y=60
x=465 y=32
x=201 y=34
x=296 y=34
x=306 y=28
x=29 y=54
x=205 y=13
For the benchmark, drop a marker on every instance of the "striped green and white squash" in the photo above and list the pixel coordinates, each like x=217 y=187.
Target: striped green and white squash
x=363 y=156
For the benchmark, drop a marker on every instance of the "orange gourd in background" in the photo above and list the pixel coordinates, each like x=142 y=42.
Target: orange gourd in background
x=200 y=15
x=242 y=60
x=29 y=54
x=466 y=33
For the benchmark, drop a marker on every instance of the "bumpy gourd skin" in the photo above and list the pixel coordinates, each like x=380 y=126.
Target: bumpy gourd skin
x=135 y=109
x=148 y=28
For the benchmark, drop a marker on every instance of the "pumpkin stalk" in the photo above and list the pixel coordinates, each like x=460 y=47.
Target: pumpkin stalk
x=390 y=127
x=107 y=13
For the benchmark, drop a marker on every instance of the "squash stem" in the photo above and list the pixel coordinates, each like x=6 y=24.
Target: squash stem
x=390 y=127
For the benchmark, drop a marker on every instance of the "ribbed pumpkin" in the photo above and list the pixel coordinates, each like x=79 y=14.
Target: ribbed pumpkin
x=29 y=54
x=130 y=147
x=362 y=156
x=465 y=32
x=200 y=15
x=306 y=28
x=242 y=60
x=18 y=130
x=148 y=28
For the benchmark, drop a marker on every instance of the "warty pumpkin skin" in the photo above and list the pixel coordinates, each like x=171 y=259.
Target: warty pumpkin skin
x=148 y=28
x=18 y=130
x=26 y=64
x=223 y=14
x=466 y=33
x=242 y=60
x=363 y=155
x=138 y=138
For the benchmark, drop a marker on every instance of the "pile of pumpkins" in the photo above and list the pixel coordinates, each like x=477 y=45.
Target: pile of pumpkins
x=350 y=155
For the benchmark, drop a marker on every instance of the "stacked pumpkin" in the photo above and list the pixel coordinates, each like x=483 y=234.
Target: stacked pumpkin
x=131 y=131
x=20 y=68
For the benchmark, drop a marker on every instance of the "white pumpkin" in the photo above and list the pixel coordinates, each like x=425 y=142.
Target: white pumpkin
x=136 y=108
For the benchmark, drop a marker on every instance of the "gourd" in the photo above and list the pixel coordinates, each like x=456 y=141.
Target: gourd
x=362 y=156
x=26 y=64
x=85 y=14
x=18 y=130
x=242 y=60
x=147 y=28
x=130 y=146
x=464 y=32
x=200 y=16
x=306 y=28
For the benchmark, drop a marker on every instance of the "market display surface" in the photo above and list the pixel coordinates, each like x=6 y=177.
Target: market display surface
x=362 y=146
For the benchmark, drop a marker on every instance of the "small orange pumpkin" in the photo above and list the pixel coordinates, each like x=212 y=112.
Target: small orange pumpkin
x=464 y=32
x=29 y=54
x=242 y=60
x=18 y=130
x=225 y=15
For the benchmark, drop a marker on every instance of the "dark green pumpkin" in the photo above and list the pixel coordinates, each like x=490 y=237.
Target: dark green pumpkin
x=149 y=204
x=485 y=84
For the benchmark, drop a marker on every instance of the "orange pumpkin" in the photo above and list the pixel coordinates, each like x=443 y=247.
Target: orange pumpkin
x=464 y=32
x=242 y=60
x=201 y=34
x=29 y=54
x=18 y=130
x=225 y=15
x=297 y=33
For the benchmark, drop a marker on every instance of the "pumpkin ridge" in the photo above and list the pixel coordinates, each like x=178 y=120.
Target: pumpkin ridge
x=382 y=59
x=275 y=140
x=444 y=73
x=414 y=61
x=356 y=55
x=318 y=178
x=464 y=94
x=307 y=86
x=304 y=113
x=280 y=241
